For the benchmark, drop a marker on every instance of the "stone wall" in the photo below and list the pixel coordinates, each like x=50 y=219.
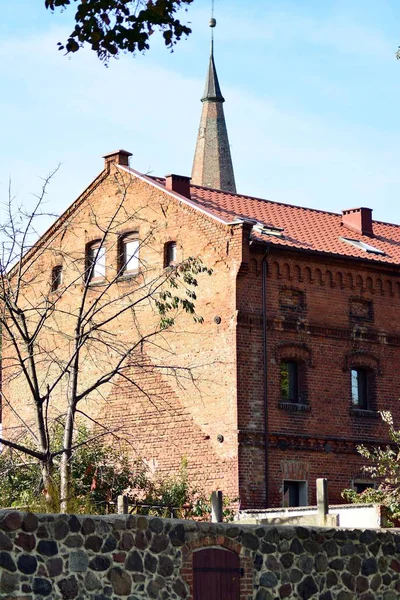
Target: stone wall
x=68 y=557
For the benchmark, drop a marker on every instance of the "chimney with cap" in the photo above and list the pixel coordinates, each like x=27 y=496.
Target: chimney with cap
x=119 y=157
x=358 y=219
x=179 y=184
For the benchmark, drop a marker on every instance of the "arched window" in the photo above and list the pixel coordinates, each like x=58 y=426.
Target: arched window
x=56 y=278
x=96 y=261
x=170 y=254
x=129 y=253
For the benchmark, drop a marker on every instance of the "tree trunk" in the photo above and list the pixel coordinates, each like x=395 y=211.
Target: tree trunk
x=65 y=466
x=47 y=463
x=48 y=487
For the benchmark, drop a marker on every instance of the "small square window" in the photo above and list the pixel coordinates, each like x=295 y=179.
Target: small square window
x=360 y=486
x=295 y=493
x=96 y=261
x=170 y=254
x=129 y=253
x=56 y=278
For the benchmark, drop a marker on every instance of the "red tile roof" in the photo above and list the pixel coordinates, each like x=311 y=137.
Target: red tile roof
x=303 y=228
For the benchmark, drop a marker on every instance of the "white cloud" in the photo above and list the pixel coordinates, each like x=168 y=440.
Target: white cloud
x=76 y=110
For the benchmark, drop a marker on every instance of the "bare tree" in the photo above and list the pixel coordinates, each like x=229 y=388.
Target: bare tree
x=70 y=331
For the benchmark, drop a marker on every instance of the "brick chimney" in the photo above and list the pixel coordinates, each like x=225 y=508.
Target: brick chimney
x=179 y=184
x=358 y=219
x=119 y=157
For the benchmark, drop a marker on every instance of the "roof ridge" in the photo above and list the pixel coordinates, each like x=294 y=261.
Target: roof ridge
x=277 y=202
x=326 y=212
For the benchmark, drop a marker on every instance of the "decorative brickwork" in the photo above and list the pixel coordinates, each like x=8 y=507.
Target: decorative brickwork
x=327 y=428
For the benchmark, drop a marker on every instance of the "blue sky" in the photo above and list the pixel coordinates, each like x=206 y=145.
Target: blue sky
x=312 y=93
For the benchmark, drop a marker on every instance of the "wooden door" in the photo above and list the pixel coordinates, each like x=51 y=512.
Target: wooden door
x=216 y=575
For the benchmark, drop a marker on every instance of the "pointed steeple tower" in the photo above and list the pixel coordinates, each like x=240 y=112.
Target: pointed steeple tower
x=212 y=164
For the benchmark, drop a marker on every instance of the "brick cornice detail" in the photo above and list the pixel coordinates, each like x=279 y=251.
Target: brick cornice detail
x=326 y=444
x=280 y=323
x=249 y=437
x=363 y=334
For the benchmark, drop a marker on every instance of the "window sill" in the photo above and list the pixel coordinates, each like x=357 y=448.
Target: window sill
x=127 y=276
x=294 y=406
x=364 y=412
x=97 y=282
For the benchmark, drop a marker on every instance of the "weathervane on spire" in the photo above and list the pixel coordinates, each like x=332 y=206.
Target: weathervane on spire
x=212 y=24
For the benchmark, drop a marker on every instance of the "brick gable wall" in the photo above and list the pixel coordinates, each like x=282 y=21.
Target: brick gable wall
x=183 y=415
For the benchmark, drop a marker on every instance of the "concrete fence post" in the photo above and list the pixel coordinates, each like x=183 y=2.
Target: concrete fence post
x=122 y=505
x=322 y=500
x=216 y=507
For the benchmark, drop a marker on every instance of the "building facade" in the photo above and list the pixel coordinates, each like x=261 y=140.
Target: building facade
x=299 y=346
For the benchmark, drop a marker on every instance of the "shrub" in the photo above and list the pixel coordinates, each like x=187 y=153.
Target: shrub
x=384 y=467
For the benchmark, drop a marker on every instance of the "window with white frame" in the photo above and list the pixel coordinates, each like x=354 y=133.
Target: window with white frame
x=96 y=261
x=129 y=253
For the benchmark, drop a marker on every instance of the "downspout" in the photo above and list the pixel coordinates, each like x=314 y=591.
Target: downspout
x=265 y=372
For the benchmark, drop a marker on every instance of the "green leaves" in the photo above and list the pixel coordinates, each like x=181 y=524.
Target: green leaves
x=114 y=26
x=181 y=278
x=384 y=467
x=100 y=472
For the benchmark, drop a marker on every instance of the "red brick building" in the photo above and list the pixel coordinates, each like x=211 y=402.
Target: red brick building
x=300 y=344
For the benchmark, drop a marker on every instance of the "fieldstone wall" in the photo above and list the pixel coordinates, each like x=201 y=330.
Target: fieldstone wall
x=68 y=557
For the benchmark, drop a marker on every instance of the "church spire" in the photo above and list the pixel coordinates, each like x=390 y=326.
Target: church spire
x=212 y=164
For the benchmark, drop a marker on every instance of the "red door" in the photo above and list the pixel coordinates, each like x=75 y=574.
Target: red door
x=216 y=575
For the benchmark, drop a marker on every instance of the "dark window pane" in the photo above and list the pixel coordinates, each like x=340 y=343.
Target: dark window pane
x=359 y=388
x=170 y=254
x=361 y=486
x=289 y=381
x=294 y=493
x=291 y=493
x=56 y=278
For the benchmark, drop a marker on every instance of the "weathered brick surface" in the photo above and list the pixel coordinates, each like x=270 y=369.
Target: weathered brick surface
x=322 y=333
x=173 y=413
x=317 y=312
